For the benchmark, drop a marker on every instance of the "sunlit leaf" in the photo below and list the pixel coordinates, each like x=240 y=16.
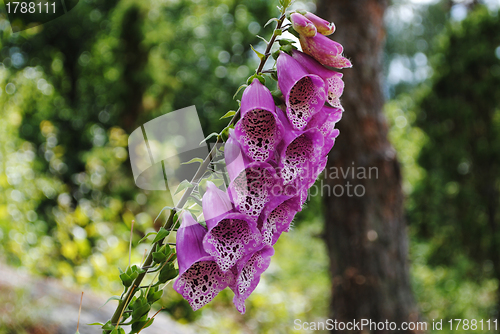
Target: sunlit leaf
x=229 y=114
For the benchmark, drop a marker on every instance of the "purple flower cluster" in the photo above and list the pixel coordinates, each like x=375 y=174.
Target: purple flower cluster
x=273 y=156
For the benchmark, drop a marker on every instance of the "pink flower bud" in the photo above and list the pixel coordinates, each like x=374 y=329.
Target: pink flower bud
x=323 y=26
x=302 y=25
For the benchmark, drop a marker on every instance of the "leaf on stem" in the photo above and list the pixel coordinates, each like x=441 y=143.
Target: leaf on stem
x=262 y=38
x=183 y=185
x=239 y=88
x=230 y=113
x=107 y=301
x=271 y=20
x=192 y=161
x=162 y=233
x=146 y=236
x=260 y=55
x=213 y=134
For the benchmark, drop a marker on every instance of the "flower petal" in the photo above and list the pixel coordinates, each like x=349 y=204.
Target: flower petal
x=201 y=283
x=235 y=160
x=215 y=203
x=333 y=79
x=325 y=51
x=253 y=188
x=247 y=275
x=300 y=154
x=200 y=279
x=304 y=93
x=325 y=122
x=189 y=241
x=232 y=238
x=258 y=130
x=277 y=216
x=302 y=25
x=323 y=26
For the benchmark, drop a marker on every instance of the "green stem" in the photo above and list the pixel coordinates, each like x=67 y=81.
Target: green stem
x=267 y=53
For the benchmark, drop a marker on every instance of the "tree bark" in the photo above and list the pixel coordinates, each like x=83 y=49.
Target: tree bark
x=366 y=235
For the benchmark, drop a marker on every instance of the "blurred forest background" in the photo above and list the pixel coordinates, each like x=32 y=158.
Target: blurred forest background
x=73 y=89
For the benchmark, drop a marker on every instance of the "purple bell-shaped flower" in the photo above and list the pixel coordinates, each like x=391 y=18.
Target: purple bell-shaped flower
x=304 y=93
x=325 y=122
x=200 y=278
x=300 y=154
x=277 y=217
x=252 y=183
x=333 y=79
x=259 y=130
x=230 y=236
x=247 y=274
x=324 y=50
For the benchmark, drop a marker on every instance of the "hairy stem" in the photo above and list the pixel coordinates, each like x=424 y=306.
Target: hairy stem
x=267 y=53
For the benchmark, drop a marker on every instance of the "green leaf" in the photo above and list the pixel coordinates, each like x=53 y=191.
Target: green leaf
x=209 y=136
x=218 y=182
x=177 y=221
x=136 y=327
x=285 y=41
x=277 y=32
x=287 y=48
x=258 y=77
x=271 y=20
x=260 y=55
x=230 y=113
x=149 y=323
x=126 y=280
x=276 y=54
x=140 y=311
x=262 y=38
x=167 y=273
x=146 y=236
x=225 y=133
x=108 y=326
x=153 y=296
x=239 y=88
x=196 y=200
x=159 y=257
x=107 y=301
x=200 y=160
x=162 y=233
x=164 y=208
x=95 y=324
x=293 y=32
x=183 y=185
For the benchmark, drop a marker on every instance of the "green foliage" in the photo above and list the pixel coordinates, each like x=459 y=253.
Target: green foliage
x=85 y=81
x=71 y=92
x=411 y=30
x=454 y=207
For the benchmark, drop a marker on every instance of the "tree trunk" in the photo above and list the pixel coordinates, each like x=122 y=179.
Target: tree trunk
x=365 y=228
